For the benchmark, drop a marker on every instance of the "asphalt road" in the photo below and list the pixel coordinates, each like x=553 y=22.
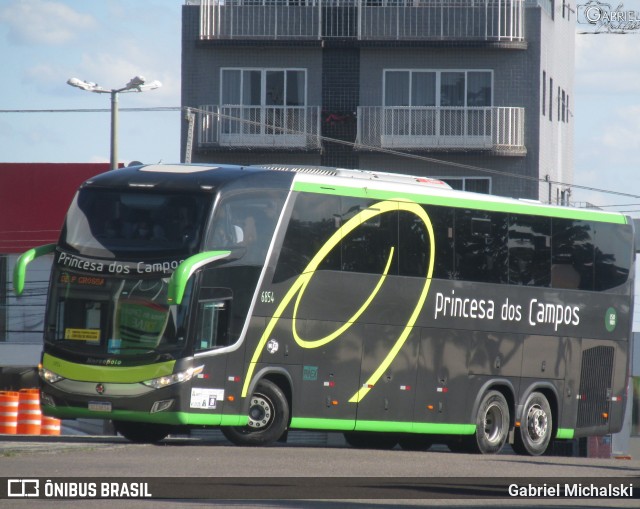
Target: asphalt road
x=279 y=476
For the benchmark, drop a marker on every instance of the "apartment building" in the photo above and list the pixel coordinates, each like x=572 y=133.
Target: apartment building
x=476 y=92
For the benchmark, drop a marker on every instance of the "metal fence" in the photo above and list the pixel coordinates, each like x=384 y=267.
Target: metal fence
x=499 y=129
x=288 y=127
x=488 y=20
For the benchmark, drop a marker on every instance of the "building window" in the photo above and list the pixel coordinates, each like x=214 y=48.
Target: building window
x=550 y=98
x=544 y=93
x=263 y=104
x=471 y=184
x=424 y=108
x=438 y=88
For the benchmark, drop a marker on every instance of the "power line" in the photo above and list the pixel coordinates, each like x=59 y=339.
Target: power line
x=327 y=139
x=93 y=110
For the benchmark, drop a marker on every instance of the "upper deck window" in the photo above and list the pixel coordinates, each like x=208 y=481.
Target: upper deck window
x=110 y=223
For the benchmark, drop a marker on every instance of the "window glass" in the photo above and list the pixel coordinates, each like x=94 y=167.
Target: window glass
x=396 y=91
x=480 y=185
x=231 y=86
x=107 y=223
x=275 y=88
x=480 y=246
x=244 y=222
x=529 y=250
x=423 y=89
x=251 y=93
x=314 y=219
x=478 y=88
x=213 y=325
x=572 y=254
x=452 y=89
x=613 y=255
x=442 y=221
x=367 y=248
x=295 y=88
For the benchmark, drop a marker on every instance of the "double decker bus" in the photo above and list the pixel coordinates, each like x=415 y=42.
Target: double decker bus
x=387 y=307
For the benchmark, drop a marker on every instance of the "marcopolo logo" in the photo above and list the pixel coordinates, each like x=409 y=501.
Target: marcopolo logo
x=595 y=17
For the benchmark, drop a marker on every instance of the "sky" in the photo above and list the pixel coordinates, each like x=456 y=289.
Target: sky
x=45 y=42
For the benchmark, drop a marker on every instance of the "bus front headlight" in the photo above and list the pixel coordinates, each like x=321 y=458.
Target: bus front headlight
x=48 y=375
x=175 y=378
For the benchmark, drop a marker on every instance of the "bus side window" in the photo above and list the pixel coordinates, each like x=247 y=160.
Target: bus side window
x=213 y=324
x=480 y=246
x=529 y=250
x=572 y=254
x=613 y=257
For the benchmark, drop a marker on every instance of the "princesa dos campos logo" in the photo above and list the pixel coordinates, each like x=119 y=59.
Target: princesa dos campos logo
x=596 y=17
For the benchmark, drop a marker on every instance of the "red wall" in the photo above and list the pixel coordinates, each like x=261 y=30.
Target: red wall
x=34 y=198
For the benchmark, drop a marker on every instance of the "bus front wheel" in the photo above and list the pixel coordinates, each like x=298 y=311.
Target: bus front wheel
x=268 y=417
x=534 y=434
x=492 y=423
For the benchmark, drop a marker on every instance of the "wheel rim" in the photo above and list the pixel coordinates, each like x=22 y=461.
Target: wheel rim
x=537 y=423
x=493 y=425
x=260 y=412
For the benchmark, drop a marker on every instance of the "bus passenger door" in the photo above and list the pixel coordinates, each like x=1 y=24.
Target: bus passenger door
x=211 y=334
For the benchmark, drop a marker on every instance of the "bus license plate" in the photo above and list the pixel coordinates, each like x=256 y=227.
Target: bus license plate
x=100 y=406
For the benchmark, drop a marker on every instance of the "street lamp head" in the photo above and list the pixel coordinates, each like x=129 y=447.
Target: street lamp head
x=84 y=85
x=135 y=82
x=151 y=86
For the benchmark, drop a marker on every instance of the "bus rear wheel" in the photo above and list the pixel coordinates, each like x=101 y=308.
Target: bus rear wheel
x=268 y=417
x=141 y=432
x=492 y=423
x=534 y=434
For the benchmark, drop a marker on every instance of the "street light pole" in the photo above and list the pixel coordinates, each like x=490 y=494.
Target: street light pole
x=136 y=84
x=113 y=153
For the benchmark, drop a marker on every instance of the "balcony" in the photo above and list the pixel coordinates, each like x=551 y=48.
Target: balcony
x=259 y=127
x=496 y=129
x=364 y=20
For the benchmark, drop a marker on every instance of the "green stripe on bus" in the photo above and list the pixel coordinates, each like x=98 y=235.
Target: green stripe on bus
x=417 y=427
x=326 y=424
x=564 y=433
x=170 y=418
x=491 y=206
x=382 y=426
x=105 y=374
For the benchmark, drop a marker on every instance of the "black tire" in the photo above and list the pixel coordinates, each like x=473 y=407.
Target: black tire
x=536 y=426
x=370 y=440
x=268 y=417
x=492 y=423
x=415 y=442
x=141 y=432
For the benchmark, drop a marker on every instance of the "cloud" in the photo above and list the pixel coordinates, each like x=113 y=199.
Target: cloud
x=33 y=22
x=607 y=64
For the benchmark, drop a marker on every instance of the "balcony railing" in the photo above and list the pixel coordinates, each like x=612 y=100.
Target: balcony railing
x=269 y=127
x=467 y=20
x=497 y=129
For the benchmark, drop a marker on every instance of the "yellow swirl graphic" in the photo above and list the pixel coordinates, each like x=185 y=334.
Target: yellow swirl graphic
x=301 y=283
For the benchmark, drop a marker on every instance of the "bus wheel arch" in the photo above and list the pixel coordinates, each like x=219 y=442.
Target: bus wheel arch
x=268 y=409
x=493 y=415
x=538 y=422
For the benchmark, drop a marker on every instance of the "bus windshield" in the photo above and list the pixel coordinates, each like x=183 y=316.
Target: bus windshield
x=114 y=223
x=98 y=315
